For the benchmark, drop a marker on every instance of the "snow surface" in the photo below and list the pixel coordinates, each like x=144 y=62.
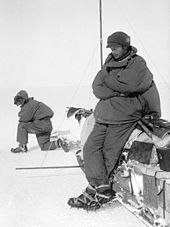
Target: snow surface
x=38 y=198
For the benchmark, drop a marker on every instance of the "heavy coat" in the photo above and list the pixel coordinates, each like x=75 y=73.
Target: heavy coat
x=35 y=117
x=34 y=110
x=126 y=90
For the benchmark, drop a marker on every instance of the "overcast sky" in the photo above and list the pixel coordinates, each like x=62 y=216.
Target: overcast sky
x=56 y=42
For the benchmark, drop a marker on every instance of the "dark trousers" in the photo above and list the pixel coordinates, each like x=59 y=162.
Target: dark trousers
x=41 y=128
x=102 y=151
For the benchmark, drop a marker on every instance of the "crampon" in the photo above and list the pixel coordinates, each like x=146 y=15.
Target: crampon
x=92 y=200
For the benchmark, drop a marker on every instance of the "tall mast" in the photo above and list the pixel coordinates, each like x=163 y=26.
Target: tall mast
x=101 y=37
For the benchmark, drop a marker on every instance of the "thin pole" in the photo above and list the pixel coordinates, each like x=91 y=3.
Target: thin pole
x=101 y=37
x=47 y=167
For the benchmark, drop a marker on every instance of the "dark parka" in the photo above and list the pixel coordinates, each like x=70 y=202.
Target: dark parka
x=126 y=90
x=34 y=110
x=34 y=117
x=31 y=109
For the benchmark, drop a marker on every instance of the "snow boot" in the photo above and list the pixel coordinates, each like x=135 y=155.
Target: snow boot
x=21 y=148
x=85 y=200
x=93 y=198
x=104 y=194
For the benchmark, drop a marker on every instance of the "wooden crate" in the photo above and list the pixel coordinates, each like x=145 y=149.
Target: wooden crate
x=156 y=191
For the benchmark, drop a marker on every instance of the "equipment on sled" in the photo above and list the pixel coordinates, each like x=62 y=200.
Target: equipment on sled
x=141 y=179
x=78 y=113
x=151 y=132
x=145 y=187
x=63 y=142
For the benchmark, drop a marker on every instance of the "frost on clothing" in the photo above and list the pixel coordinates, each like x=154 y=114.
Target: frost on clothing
x=126 y=90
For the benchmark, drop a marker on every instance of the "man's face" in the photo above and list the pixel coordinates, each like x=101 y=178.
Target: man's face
x=19 y=101
x=117 y=51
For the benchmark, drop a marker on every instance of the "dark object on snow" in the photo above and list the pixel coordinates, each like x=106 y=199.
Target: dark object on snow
x=47 y=167
x=141 y=152
x=164 y=158
x=19 y=149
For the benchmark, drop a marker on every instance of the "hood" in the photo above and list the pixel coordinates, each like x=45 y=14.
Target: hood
x=23 y=94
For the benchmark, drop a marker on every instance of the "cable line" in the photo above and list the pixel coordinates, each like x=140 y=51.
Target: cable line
x=132 y=28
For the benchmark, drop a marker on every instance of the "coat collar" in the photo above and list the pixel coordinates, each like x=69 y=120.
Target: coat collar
x=110 y=62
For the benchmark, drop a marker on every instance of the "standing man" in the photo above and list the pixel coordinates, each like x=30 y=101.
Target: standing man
x=126 y=93
x=35 y=118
